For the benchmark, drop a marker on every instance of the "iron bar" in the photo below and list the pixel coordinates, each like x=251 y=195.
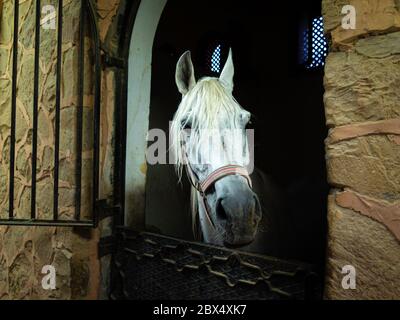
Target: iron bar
x=81 y=63
x=57 y=111
x=13 y=110
x=96 y=106
x=35 y=109
x=47 y=223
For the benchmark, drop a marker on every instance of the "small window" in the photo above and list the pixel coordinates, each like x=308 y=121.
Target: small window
x=315 y=45
x=214 y=56
x=216 y=60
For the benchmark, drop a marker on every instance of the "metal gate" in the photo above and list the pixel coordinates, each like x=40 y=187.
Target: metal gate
x=87 y=30
x=154 y=267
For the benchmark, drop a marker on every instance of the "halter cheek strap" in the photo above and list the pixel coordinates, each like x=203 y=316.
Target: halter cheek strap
x=211 y=179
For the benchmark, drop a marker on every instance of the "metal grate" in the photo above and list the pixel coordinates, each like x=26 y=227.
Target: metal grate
x=154 y=267
x=315 y=45
x=87 y=29
x=216 y=60
x=214 y=56
x=306 y=46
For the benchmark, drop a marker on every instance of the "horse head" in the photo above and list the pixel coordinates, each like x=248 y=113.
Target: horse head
x=210 y=142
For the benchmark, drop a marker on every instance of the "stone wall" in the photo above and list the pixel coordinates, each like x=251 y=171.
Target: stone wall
x=73 y=251
x=362 y=106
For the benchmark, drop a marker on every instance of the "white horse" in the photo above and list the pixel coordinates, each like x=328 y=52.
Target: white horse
x=215 y=153
x=228 y=207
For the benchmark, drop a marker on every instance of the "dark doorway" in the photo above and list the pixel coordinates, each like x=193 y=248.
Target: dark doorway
x=285 y=97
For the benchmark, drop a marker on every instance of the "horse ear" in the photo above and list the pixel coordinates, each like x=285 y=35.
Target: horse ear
x=228 y=71
x=184 y=75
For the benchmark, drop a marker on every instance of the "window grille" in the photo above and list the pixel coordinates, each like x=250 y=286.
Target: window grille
x=315 y=45
x=214 y=57
x=216 y=60
x=86 y=84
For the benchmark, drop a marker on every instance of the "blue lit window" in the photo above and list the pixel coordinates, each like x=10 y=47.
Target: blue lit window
x=315 y=45
x=216 y=60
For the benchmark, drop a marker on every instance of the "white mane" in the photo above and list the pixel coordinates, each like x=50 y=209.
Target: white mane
x=203 y=107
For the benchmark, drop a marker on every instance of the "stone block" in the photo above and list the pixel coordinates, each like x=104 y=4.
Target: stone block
x=359 y=89
x=369 y=165
x=372 y=17
x=357 y=240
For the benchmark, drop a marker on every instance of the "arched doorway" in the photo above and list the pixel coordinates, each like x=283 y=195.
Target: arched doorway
x=291 y=135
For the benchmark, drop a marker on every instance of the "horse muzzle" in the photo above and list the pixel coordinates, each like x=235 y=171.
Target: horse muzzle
x=238 y=216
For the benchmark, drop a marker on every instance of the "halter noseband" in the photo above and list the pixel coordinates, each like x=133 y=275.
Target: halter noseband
x=212 y=178
x=223 y=172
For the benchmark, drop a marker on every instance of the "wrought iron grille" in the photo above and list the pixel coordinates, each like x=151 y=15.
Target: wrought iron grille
x=153 y=267
x=315 y=45
x=88 y=45
x=215 y=56
x=216 y=60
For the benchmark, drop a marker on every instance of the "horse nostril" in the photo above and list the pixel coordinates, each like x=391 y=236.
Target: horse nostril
x=221 y=213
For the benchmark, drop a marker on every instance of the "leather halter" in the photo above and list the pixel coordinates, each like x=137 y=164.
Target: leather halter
x=211 y=179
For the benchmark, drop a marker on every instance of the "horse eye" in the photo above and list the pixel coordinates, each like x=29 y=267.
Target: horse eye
x=186 y=125
x=250 y=123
